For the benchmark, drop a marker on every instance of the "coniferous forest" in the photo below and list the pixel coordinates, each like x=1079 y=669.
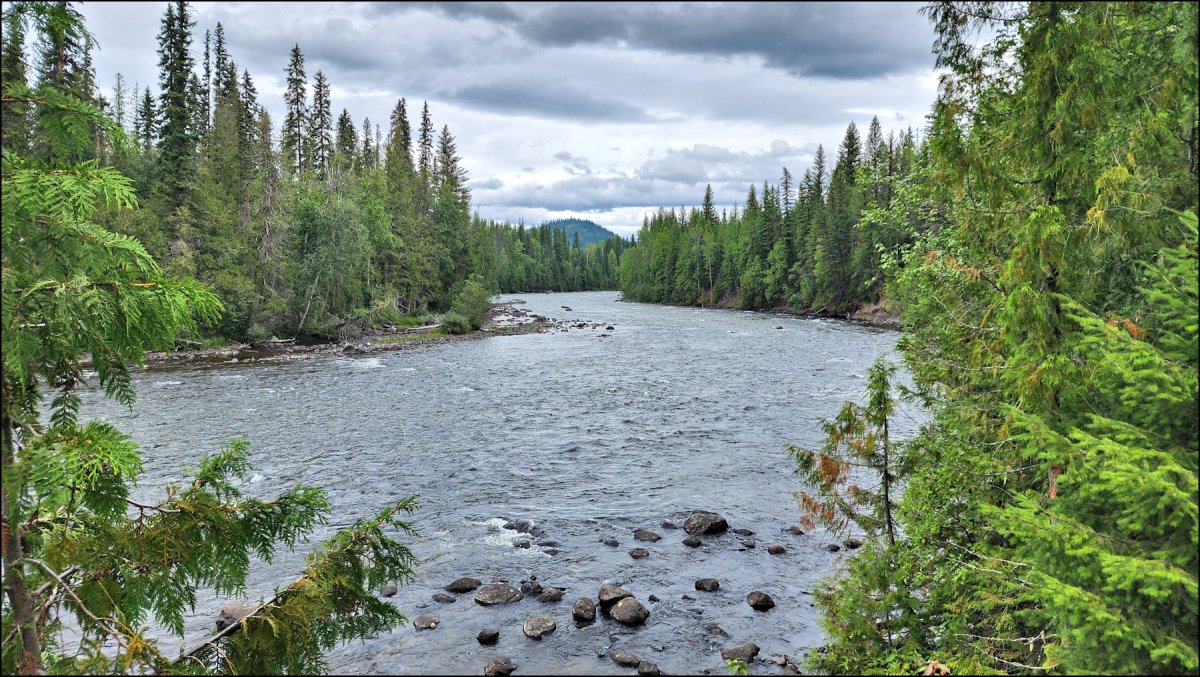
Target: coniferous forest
x=1037 y=240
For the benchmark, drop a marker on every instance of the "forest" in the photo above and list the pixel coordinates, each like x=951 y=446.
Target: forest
x=1038 y=240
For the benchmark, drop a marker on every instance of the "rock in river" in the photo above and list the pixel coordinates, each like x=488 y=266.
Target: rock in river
x=443 y=598
x=852 y=543
x=629 y=611
x=648 y=668
x=389 y=590
x=611 y=594
x=488 y=637
x=777 y=549
x=499 y=667
x=692 y=541
x=760 y=601
x=584 y=610
x=538 y=627
x=464 y=584
x=745 y=652
x=623 y=657
x=232 y=614
x=645 y=535
x=552 y=595
x=702 y=522
x=497 y=593
x=707 y=584
x=639 y=553
x=610 y=541
x=425 y=622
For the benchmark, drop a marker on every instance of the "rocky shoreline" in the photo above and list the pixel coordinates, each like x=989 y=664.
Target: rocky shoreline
x=869 y=314
x=504 y=319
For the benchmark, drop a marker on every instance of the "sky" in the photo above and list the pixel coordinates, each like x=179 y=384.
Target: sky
x=605 y=111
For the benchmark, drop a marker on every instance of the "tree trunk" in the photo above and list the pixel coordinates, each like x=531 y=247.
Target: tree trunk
x=13 y=554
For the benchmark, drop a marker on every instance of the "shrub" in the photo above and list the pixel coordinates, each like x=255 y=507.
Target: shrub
x=455 y=323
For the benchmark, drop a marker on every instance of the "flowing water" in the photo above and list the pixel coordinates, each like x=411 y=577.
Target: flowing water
x=587 y=436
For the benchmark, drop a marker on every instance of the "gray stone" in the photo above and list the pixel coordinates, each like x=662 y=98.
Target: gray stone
x=648 y=668
x=645 y=535
x=552 y=595
x=852 y=543
x=497 y=593
x=624 y=658
x=443 y=598
x=639 y=553
x=833 y=547
x=488 y=636
x=629 y=611
x=550 y=551
x=777 y=549
x=745 y=652
x=425 y=622
x=668 y=524
x=464 y=584
x=611 y=594
x=702 y=522
x=708 y=585
x=795 y=530
x=652 y=598
x=524 y=545
x=743 y=532
x=232 y=614
x=714 y=629
x=547 y=544
x=522 y=525
x=749 y=544
x=389 y=590
x=760 y=601
x=610 y=541
x=538 y=627
x=499 y=667
x=692 y=541
x=584 y=610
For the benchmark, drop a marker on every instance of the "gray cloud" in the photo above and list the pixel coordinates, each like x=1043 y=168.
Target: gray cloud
x=834 y=40
x=536 y=99
x=488 y=184
x=499 y=12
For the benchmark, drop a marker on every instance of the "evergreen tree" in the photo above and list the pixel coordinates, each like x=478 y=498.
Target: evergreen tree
x=14 y=124
x=320 y=125
x=145 y=122
x=296 y=120
x=345 y=144
x=176 y=120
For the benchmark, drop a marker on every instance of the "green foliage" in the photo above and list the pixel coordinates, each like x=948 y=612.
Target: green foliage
x=454 y=322
x=473 y=302
x=737 y=666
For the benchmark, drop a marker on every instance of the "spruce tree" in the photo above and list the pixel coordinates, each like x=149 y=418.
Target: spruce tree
x=295 y=121
x=320 y=126
x=345 y=144
x=175 y=115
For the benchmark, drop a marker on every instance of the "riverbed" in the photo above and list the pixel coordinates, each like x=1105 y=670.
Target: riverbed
x=586 y=433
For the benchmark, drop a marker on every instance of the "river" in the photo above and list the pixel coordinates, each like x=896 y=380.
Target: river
x=587 y=436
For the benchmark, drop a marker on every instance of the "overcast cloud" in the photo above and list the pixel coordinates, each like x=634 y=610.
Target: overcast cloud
x=605 y=111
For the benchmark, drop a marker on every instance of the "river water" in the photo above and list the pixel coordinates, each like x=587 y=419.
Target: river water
x=587 y=436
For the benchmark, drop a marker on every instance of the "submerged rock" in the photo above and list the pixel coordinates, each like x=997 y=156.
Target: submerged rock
x=443 y=598
x=610 y=541
x=748 y=544
x=538 y=627
x=692 y=541
x=552 y=595
x=668 y=524
x=645 y=535
x=639 y=553
x=464 y=584
x=743 y=532
x=702 y=522
x=833 y=547
x=777 y=549
x=233 y=613
x=760 y=601
x=852 y=543
x=497 y=593
x=389 y=590
x=648 y=668
x=708 y=584
x=488 y=636
x=624 y=658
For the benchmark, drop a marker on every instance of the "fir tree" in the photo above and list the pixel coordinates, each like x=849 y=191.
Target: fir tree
x=345 y=144
x=296 y=120
x=320 y=125
x=176 y=119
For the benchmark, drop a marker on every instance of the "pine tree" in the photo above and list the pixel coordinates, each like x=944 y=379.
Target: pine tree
x=296 y=120
x=345 y=144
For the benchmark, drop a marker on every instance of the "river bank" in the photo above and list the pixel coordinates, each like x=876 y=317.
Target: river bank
x=877 y=315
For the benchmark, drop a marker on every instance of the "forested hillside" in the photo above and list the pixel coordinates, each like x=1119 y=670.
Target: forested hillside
x=815 y=244
x=582 y=230
x=312 y=225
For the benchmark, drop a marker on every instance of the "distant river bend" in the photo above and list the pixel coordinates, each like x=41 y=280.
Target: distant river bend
x=588 y=437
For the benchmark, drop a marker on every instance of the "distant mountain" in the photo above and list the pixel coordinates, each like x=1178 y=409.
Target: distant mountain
x=590 y=232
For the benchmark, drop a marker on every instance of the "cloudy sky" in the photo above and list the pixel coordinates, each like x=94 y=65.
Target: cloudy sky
x=600 y=110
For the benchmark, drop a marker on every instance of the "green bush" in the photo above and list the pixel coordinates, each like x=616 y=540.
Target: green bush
x=473 y=301
x=455 y=323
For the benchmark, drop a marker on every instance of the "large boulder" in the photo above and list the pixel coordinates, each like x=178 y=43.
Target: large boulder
x=497 y=593
x=629 y=611
x=701 y=522
x=611 y=594
x=538 y=627
x=584 y=610
x=464 y=584
x=745 y=652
